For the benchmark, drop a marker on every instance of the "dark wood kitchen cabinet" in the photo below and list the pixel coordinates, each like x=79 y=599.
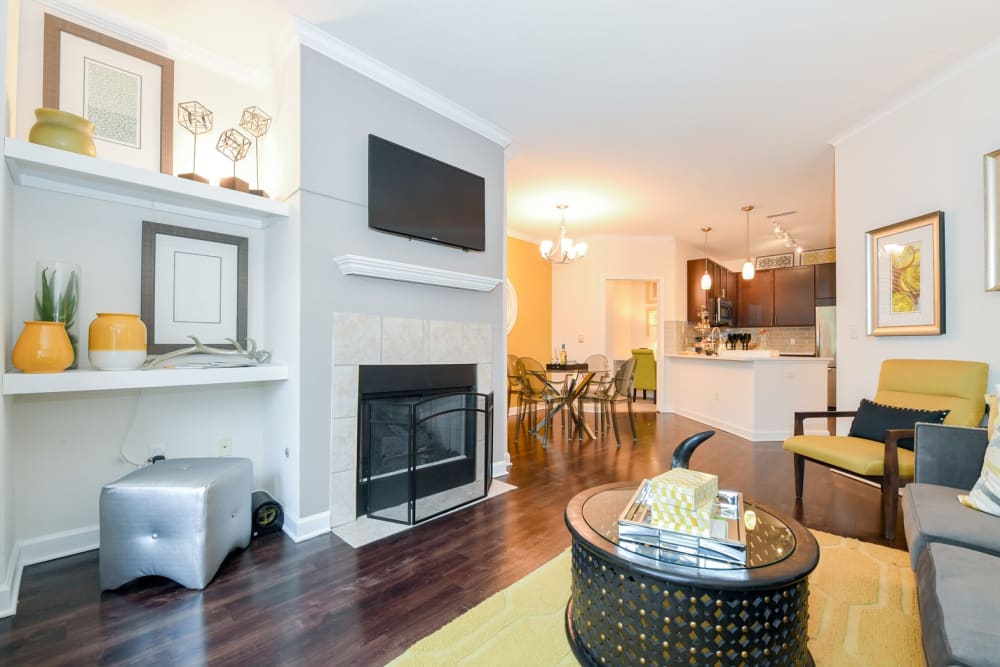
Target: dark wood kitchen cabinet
x=826 y=284
x=724 y=284
x=755 y=306
x=795 y=297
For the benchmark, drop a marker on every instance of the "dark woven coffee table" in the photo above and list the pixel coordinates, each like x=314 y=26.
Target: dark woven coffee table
x=635 y=605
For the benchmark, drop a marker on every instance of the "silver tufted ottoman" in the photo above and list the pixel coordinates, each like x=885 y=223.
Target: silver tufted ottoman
x=178 y=519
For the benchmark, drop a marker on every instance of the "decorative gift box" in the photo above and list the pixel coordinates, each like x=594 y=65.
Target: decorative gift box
x=689 y=489
x=681 y=520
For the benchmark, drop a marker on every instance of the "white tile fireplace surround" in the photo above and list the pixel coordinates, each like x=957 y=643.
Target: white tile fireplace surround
x=376 y=339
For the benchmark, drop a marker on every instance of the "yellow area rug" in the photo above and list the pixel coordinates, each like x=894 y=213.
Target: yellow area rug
x=862 y=611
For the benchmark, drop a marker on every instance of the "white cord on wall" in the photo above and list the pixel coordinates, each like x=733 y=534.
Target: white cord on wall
x=128 y=429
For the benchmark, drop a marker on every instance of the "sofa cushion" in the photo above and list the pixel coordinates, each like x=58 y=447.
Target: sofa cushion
x=874 y=419
x=985 y=495
x=932 y=513
x=957 y=590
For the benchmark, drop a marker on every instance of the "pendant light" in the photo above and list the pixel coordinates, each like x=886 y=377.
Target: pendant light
x=748 y=269
x=706 y=280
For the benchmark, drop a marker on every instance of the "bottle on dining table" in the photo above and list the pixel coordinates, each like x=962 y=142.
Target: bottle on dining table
x=562 y=355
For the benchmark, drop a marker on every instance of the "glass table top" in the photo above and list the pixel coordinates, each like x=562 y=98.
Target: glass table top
x=770 y=541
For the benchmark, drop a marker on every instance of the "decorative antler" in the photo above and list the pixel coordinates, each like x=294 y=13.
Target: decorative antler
x=260 y=357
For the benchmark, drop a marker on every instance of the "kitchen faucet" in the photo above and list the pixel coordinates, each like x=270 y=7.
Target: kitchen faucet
x=715 y=338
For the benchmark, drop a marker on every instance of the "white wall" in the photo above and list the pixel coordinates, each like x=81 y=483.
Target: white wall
x=578 y=299
x=7 y=566
x=925 y=156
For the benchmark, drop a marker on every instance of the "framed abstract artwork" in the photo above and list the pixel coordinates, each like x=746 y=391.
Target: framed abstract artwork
x=905 y=277
x=127 y=92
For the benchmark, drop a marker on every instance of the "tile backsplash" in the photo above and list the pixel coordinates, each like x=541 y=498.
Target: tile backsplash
x=787 y=340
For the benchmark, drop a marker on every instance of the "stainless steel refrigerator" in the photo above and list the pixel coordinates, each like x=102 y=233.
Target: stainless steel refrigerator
x=826 y=346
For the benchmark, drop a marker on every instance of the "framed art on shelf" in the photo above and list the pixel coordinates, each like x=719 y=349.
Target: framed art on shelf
x=194 y=283
x=127 y=92
x=781 y=261
x=905 y=277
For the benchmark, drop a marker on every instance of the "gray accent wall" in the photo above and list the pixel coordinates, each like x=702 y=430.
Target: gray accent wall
x=339 y=108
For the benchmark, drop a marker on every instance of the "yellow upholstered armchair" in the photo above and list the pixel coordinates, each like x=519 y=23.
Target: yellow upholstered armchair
x=916 y=384
x=645 y=371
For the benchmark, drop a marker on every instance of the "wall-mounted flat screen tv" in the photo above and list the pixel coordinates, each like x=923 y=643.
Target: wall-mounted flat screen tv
x=414 y=195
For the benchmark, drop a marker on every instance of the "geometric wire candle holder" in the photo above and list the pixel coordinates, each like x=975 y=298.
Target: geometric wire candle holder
x=235 y=146
x=197 y=119
x=257 y=123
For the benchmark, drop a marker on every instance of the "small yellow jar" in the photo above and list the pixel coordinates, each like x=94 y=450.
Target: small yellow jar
x=42 y=347
x=117 y=342
x=65 y=130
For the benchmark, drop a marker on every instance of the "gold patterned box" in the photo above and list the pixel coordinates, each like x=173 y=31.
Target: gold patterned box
x=685 y=488
x=677 y=519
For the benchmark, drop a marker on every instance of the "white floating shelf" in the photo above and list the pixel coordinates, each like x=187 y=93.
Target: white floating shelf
x=91 y=380
x=370 y=267
x=37 y=166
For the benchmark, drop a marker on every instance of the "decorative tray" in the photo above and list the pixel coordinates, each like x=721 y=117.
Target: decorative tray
x=727 y=541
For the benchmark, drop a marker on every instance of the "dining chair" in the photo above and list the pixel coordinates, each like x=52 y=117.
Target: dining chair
x=617 y=390
x=535 y=391
x=513 y=385
x=601 y=367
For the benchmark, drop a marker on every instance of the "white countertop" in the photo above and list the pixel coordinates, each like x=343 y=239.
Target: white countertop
x=735 y=356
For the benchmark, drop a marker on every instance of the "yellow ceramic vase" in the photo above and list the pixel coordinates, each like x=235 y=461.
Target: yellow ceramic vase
x=43 y=347
x=117 y=342
x=65 y=130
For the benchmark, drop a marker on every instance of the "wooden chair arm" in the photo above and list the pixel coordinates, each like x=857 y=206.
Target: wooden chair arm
x=800 y=417
x=890 y=461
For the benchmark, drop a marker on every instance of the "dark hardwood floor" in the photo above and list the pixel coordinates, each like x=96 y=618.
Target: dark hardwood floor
x=321 y=602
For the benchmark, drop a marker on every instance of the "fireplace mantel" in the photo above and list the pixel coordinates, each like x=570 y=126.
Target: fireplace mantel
x=371 y=267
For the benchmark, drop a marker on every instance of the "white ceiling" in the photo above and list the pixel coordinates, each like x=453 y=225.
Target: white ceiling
x=647 y=117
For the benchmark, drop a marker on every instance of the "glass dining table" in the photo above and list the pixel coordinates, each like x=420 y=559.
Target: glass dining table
x=567 y=394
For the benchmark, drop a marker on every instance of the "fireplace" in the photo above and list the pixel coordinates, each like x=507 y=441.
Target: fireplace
x=424 y=440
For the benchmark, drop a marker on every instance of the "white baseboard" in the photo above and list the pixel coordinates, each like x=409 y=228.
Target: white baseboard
x=11 y=585
x=305 y=528
x=39 y=550
x=501 y=468
x=59 y=545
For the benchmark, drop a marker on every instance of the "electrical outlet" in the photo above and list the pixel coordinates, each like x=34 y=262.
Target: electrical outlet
x=579 y=338
x=791 y=341
x=225 y=446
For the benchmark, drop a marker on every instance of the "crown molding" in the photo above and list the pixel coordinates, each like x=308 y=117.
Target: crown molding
x=120 y=27
x=371 y=267
x=915 y=93
x=351 y=57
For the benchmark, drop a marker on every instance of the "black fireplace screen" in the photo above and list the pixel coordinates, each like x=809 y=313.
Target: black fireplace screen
x=424 y=456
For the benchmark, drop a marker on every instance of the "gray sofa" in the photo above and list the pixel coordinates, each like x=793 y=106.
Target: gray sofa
x=955 y=551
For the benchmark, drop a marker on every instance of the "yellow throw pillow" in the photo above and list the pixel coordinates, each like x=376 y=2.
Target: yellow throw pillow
x=991 y=424
x=985 y=495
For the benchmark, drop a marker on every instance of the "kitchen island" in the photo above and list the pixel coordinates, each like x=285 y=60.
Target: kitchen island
x=752 y=396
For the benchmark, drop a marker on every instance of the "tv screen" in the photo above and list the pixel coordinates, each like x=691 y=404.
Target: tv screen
x=419 y=197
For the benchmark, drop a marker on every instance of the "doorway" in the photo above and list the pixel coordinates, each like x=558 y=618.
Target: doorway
x=631 y=320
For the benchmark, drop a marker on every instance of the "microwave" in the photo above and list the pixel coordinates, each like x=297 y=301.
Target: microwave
x=722 y=313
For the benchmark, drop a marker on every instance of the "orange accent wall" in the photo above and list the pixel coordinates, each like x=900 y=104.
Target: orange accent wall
x=532 y=280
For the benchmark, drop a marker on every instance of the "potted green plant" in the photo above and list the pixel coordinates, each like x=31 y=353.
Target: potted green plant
x=57 y=299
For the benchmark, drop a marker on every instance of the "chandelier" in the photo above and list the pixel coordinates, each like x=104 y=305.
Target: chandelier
x=565 y=250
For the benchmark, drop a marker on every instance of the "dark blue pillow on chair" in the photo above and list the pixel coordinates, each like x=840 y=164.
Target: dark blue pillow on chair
x=874 y=419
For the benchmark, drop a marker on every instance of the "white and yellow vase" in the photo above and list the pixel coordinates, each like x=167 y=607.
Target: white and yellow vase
x=117 y=342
